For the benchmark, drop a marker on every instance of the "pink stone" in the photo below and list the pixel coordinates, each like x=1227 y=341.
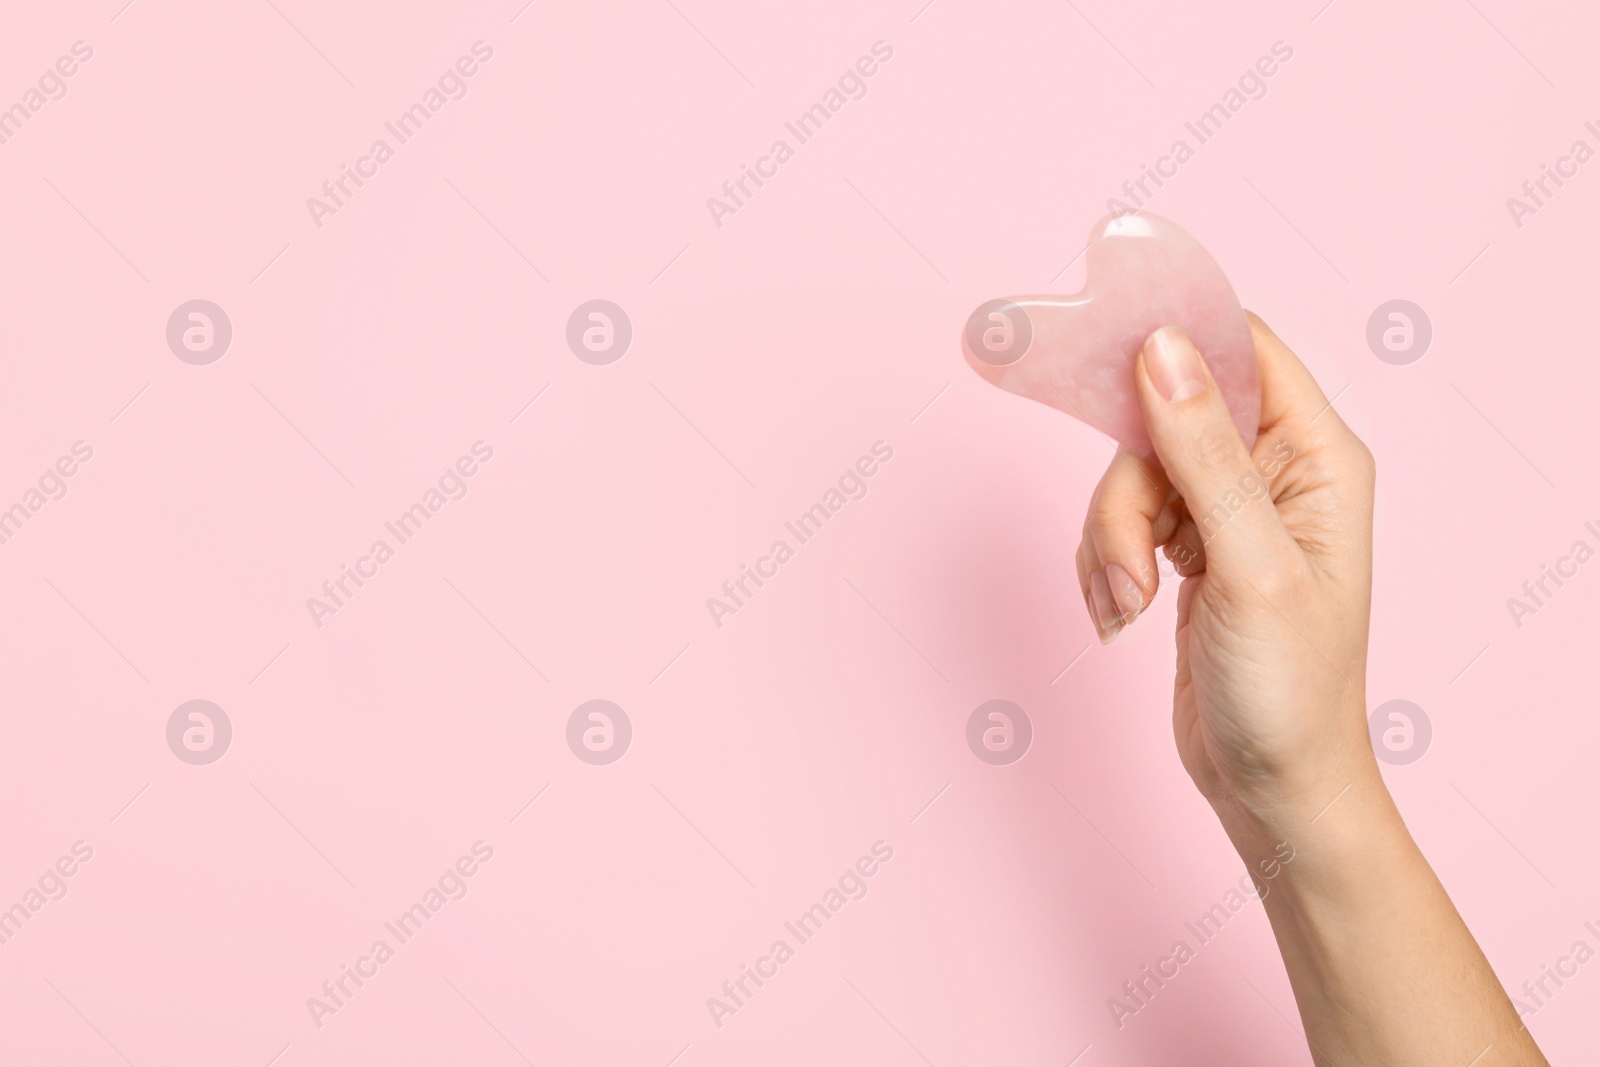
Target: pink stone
x=1077 y=353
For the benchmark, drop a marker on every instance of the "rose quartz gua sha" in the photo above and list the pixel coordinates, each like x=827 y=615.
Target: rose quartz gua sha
x=1076 y=353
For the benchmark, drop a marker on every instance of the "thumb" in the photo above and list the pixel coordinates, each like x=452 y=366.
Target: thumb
x=1196 y=440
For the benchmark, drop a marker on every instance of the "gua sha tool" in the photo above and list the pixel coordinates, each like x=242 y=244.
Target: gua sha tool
x=1077 y=353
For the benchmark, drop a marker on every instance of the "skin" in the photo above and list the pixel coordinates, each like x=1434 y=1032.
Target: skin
x=1274 y=546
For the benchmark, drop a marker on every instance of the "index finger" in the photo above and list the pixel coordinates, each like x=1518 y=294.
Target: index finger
x=1132 y=511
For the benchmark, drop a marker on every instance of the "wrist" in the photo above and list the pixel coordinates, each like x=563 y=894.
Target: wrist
x=1323 y=755
x=1333 y=811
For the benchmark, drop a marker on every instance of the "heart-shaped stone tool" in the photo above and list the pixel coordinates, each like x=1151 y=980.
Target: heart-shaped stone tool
x=1077 y=353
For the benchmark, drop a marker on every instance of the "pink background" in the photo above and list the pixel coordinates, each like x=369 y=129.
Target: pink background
x=767 y=755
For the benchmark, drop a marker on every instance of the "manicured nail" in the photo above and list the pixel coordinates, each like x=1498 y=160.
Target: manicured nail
x=1108 y=620
x=1125 y=591
x=1173 y=364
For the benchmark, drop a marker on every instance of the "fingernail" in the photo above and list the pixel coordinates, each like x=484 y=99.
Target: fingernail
x=1125 y=591
x=1107 y=618
x=1173 y=364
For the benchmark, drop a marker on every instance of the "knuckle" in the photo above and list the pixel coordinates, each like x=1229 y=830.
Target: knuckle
x=1365 y=463
x=1106 y=515
x=1271 y=585
x=1280 y=582
x=1215 y=447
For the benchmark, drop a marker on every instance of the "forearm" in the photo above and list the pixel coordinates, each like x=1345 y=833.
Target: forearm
x=1273 y=610
x=1383 y=968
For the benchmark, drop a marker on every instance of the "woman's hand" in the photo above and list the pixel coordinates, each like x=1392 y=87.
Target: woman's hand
x=1275 y=548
